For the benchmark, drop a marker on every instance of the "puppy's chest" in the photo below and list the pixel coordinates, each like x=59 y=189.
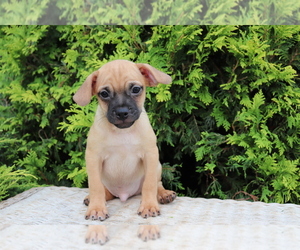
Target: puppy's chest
x=123 y=161
x=123 y=146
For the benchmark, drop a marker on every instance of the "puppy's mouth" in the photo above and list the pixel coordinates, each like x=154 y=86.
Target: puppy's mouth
x=124 y=125
x=123 y=116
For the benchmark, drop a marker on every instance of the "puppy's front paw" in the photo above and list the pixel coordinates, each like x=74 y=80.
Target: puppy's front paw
x=96 y=212
x=148 y=209
x=147 y=232
x=96 y=234
x=166 y=196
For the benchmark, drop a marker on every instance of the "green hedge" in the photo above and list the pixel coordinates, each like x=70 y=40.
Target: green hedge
x=228 y=126
x=94 y=12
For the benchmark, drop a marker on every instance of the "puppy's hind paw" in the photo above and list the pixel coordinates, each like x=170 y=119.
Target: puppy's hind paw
x=86 y=201
x=166 y=196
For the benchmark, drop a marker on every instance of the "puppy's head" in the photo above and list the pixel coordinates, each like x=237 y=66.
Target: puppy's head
x=120 y=87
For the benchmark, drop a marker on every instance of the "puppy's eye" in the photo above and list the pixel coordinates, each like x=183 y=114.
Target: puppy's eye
x=136 y=89
x=104 y=94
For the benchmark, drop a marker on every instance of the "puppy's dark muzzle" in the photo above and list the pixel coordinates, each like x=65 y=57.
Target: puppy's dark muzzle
x=124 y=117
x=122 y=113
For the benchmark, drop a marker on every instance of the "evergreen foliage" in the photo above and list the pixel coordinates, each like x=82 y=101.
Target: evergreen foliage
x=228 y=124
x=183 y=12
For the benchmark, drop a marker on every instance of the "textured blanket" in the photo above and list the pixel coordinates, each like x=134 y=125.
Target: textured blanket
x=53 y=218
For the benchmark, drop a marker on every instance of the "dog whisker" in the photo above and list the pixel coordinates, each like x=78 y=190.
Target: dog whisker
x=100 y=118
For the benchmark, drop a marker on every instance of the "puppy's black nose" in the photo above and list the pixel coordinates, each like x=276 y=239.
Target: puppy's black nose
x=122 y=113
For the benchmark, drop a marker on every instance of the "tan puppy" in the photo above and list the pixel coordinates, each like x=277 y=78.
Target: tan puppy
x=122 y=156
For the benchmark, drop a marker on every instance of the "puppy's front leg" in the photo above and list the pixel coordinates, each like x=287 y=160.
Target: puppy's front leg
x=149 y=205
x=96 y=208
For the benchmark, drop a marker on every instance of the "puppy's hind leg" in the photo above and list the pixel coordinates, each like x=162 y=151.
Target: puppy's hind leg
x=108 y=196
x=165 y=196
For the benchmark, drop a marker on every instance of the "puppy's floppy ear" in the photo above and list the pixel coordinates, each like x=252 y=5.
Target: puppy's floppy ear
x=152 y=75
x=84 y=94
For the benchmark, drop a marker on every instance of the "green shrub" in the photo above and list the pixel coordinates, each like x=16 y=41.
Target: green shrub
x=14 y=181
x=91 y=12
x=227 y=125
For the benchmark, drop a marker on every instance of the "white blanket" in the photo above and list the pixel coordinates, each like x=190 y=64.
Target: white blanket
x=53 y=218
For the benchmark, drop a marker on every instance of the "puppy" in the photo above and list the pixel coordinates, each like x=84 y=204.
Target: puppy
x=122 y=157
